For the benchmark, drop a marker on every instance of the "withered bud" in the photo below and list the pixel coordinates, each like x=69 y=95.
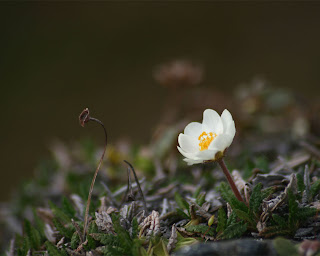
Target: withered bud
x=178 y=73
x=84 y=117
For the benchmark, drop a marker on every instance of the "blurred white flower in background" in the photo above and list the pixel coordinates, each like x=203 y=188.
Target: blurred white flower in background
x=207 y=141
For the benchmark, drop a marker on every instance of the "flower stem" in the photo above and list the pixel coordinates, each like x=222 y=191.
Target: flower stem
x=230 y=180
x=84 y=118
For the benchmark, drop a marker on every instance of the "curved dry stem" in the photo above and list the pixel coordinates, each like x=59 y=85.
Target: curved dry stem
x=87 y=119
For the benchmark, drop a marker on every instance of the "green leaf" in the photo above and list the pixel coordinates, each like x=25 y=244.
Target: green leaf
x=105 y=239
x=182 y=214
x=201 y=198
x=232 y=219
x=64 y=231
x=306 y=212
x=67 y=208
x=160 y=249
x=202 y=229
x=235 y=230
x=197 y=192
x=280 y=221
x=183 y=204
x=228 y=196
x=135 y=228
x=182 y=241
x=293 y=211
x=54 y=251
x=58 y=213
x=24 y=247
x=255 y=199
x=300 y=182
x=75 y=240
x=39 y=225
x=91 y=242
x=244 y=216
x=314 y=189
x=222 y=220
x=32 y=235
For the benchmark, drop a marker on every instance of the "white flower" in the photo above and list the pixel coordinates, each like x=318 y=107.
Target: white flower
x=207 y=141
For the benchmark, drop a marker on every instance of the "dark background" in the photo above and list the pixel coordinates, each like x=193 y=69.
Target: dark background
x=57 y=58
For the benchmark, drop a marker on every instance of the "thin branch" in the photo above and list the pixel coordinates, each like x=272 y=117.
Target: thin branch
x=138 y=184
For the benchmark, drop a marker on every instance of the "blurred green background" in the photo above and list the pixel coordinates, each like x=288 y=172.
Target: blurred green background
x=57 y=58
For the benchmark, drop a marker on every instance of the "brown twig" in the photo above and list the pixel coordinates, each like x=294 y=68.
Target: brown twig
x=85 y=118
x=230 y=180
x=138 y=184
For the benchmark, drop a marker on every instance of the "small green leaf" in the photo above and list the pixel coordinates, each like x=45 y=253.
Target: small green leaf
x=300 y=182
x=54 y=251
x=32 y=235
x=235 y=230
x=256 y=199
x=75 y=240
x=160 y=249
x=293 y=211
x=183 y=204
x=135 y=228
x=182 y=241
x=222 y=220
x=58 y=213
x=228 y=196
x=201 y=198
x=244 y=216
x=182 y=214
x=306 y=212
x=202 y=229
x=315 y=187
x=279 y=220
x=65 y=231
x=67 y=208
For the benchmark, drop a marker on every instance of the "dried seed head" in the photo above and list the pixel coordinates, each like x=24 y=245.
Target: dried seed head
x=104 y=222
x=151 y=225
x=173 y=239
x=84 y=117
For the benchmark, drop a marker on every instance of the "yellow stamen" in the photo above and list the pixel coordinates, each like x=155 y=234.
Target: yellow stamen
x=205 y=140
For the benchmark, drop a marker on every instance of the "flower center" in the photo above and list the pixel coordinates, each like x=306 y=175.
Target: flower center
x=205 y=140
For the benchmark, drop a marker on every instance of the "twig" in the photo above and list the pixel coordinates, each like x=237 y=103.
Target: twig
x=85 y=118
x=129 y=194
x=138 y=184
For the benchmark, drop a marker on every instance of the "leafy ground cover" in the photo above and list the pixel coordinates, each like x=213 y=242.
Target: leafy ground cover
x=275 y=160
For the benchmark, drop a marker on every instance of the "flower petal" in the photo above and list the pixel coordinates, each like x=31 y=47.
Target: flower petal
x=188 y=144
x=186 y=154
x=206 y=155
x=226 y=118
x=191 y=161
x=212 y=121
x=193 y=129
x=221 y=142
x=231 y=129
